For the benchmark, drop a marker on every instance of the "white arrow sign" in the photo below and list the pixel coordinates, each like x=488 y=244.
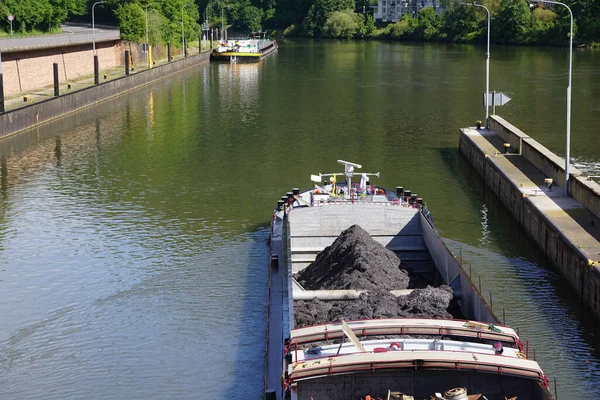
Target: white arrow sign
x=496 y=99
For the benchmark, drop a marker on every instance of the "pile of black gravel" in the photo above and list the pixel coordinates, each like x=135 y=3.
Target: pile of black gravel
x=356 y=261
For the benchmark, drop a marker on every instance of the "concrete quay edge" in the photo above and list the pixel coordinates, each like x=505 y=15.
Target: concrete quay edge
x=565 y=230
x=29 y=116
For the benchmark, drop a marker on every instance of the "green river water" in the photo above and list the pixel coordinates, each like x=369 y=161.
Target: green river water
x=134 y=234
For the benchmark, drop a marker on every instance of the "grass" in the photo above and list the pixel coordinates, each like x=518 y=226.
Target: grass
x=18 y=33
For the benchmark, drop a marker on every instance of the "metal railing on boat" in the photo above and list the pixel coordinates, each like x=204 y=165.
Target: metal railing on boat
x=405 y=326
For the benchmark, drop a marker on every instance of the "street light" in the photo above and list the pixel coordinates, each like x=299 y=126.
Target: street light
x=222 y=21
x=93 y=26
x=96 y=78
x=487 y=65
x=566 y=185
x=147 y=43
x=182 y=29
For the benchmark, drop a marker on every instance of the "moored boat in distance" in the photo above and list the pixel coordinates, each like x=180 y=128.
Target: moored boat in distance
x=366 y=301
x=243 y=50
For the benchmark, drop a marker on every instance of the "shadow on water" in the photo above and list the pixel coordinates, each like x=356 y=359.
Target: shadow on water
x=249 y=360
x=535 y=296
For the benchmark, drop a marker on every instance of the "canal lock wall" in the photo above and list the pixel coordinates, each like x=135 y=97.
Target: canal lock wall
x=579 y=267
x=37 y=113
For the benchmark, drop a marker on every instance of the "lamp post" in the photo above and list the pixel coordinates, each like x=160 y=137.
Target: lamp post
x=568 y=155
x=183 y=30
x=487 y=65
x=147 y=42
x=222 y=22
x=96 y=80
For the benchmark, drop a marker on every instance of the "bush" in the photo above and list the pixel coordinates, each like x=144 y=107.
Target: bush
x=405 y=28
x=342 y=24
x=542 y=23
x=291 y=31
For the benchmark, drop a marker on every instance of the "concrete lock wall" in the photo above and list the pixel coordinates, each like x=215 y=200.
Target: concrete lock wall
x=584 y=191
x=561 y=252
x=37 y=113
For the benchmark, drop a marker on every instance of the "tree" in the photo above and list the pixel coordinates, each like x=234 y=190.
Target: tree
x=542 y=22
x=428 y=24
x=590 y=20
x=320 y=11
x=405 y=28
x=132 y=22
x=250 y=20
x=342 y=24
x=367 y=28
x=460 y=24
x=511 y=24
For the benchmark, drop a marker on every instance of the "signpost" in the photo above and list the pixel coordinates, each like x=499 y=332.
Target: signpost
x=496 y=99
x=11 y=18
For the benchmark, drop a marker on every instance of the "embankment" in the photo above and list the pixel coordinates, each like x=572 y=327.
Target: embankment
x=567 y=229
x=37 y=113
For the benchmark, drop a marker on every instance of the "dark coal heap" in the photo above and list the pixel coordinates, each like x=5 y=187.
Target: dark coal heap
x=356 y=261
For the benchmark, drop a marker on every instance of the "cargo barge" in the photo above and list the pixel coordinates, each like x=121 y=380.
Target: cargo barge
x=468 y=356
x=245 y=50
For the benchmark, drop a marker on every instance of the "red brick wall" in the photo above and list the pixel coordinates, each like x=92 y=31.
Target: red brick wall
x=26 y=71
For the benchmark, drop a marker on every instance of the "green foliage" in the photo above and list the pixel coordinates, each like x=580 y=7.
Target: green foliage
x=320 y=11
x=590 y=20
x=460 y=24
x=367 y=27
x=541 y=26
x=292 y=31
x=429 y=24
x=511 y=23
x=342 y=24
x=405 y=28
x=39 y=15
x=132 y=21
x=250 y=20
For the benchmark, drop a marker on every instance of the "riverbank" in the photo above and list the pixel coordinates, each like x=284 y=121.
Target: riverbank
x=40 y=107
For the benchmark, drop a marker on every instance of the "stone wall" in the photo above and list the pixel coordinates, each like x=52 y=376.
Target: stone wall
x=37 y=113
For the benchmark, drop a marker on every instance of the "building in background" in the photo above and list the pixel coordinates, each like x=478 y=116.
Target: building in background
x=393 y=10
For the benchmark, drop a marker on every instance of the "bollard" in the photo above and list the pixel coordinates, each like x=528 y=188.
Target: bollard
x=169 y=51
x=69 y=86
x=55 y=71
x=506 y=148
x=105 y=76
x=126 y=62
x=270 y=394
x=1 y=87
x=96 y=79
x=25 y=99
x=478 y=123
x=548 y=182
x=1 y=92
